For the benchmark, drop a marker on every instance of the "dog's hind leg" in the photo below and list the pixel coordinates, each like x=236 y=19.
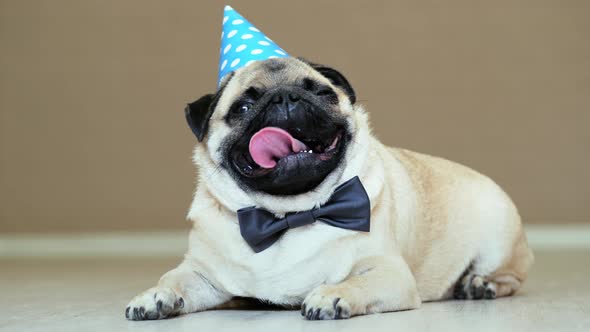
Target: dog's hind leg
x=476 y=283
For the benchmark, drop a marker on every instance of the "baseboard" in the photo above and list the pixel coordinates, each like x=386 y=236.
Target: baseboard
x=174 y=244
x=141 y=244
x=555 y=236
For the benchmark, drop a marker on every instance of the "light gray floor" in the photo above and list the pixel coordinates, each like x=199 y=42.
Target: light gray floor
x=69 y=295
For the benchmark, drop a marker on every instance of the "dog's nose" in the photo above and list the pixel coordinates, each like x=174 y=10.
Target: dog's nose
x=286 y=100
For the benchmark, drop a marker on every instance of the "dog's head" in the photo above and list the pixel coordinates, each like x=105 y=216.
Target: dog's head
x=278 y=127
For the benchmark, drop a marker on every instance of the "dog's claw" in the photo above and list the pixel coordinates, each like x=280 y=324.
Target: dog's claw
x=489 y=294
x=338 y=313
x=316 y=314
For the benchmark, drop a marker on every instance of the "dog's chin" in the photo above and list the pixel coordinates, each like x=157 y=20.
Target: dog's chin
x=296 y=173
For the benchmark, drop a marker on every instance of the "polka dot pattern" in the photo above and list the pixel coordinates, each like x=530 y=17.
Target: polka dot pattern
x=242 y=44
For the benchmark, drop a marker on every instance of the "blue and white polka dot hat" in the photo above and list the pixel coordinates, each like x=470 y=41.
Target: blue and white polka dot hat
x=242 y=44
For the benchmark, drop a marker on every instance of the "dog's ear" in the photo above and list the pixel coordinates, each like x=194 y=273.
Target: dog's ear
x=336 y=78
x=198 y=114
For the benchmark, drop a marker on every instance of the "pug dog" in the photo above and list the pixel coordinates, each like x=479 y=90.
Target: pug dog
x=283 y=137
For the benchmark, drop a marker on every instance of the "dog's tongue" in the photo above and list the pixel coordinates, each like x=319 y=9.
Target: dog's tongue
x=270 y=144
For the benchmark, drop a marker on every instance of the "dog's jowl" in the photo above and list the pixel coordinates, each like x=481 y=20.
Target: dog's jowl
x=298 y=204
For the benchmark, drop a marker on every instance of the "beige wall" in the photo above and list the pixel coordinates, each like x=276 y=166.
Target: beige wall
x=92 y=134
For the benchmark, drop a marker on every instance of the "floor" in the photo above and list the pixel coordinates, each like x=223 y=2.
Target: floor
x=74 y=295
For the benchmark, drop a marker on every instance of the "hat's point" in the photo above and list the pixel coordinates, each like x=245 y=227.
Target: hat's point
x=242 y=44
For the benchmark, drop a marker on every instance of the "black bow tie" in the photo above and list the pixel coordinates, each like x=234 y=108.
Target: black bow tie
x=348 y=208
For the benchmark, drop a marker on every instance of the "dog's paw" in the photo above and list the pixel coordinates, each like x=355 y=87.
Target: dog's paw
x=325 y=303
x=154 y=303
x=474 y=287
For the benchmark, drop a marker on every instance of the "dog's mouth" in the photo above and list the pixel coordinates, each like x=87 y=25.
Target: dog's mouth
x=281 y=161
x=273 y=147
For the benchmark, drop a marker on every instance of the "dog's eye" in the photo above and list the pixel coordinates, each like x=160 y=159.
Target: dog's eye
x=245 y=108
x=242 y=108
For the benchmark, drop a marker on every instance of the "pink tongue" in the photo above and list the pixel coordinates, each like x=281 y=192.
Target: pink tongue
x=270 y=144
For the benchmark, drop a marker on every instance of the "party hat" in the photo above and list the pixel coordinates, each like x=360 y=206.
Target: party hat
x=242 y=44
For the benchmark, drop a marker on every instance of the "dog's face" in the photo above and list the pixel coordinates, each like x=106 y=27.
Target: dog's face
x=278 y=126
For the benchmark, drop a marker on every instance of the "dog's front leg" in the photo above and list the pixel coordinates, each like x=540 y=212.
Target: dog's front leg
x=376 y=284
x=182 y=290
